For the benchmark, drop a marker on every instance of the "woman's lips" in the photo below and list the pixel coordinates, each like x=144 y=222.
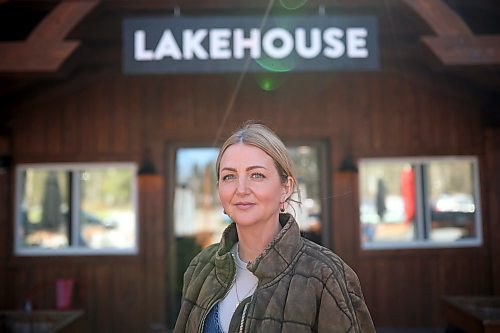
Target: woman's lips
x=244 y=205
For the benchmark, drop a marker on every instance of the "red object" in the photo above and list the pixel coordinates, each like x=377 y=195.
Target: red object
x=408 y=192
x=64 y=293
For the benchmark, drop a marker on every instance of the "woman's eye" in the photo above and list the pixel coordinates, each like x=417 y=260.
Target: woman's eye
x=227 y=177
x=258 y=175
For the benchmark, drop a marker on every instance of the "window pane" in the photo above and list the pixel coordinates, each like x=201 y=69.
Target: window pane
x=44 y=211
x=198 y=215
x=309 y=214
x=387 y=201
x=451 y=200
x=197 y=211
x=107 y=214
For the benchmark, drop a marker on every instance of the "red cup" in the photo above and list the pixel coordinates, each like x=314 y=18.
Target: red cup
x=64 y=293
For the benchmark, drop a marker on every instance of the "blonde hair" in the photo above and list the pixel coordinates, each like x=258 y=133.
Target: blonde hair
x=262 y=137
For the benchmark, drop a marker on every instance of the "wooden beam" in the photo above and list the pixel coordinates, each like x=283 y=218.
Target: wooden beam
x=440 y=17
x=465 y=50
x=45 y=49
x=455 y=44
x=61 y=20
x=26 y=57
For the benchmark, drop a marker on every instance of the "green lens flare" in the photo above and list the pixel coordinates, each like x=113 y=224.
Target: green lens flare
x=292 y=4
x=270 y=81
x=267 y=84
x=277 y=65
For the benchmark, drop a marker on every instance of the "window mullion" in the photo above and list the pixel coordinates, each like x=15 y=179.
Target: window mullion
x=21 y=179
x=75 y=207
x=427 y=203
x=477 y=202
x=421 y=214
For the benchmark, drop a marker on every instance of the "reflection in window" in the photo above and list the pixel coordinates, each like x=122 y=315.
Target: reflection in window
x=419 y=202
x=44 y=209
x=451 y=200
x=197 y=212
x=107 y=217
x=309 y=213
x=75 y=209
x=387 y=202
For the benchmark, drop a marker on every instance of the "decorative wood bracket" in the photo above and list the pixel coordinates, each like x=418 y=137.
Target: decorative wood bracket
x=455 y=43
x=45 y=49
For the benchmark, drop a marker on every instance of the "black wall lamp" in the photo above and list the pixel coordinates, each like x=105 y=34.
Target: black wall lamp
x=5 y=162
x=348 y=164
x=147 y=166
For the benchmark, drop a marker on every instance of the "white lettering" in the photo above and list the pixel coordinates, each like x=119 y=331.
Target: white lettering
x=140 y=52
x=300 y=43
x=191 y=44
x=240 y=43
x=277 y=43
x=167 y=47
x=335 y=48
x=219 y=44
x=356 y=43
x=277 y=52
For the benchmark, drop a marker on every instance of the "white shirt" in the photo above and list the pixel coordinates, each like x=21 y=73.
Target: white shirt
x=243 y=287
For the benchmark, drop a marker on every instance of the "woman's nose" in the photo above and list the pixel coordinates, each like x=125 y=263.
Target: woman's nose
x=242 y=185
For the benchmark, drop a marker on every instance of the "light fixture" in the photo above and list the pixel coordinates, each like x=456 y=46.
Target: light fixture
x=147 y=166
x=348 y=164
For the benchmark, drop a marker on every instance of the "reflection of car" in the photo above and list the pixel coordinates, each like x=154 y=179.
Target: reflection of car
x=88 y=218
x=460 y=202
x=453 y=210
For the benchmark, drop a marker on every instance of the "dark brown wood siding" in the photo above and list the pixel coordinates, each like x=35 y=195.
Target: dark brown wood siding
x=394 y=112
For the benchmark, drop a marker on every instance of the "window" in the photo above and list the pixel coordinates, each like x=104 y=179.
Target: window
x=197 y=210
x=76 y=209
x=198 y=215
x=419 y=202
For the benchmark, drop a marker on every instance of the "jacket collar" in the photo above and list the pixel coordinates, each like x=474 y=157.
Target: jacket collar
x=275 y=259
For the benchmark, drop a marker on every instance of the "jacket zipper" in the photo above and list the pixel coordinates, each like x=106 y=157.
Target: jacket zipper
x=202 y=326
x=243 y=315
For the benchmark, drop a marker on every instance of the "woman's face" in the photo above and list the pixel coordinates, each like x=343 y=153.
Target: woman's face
x=250 y=188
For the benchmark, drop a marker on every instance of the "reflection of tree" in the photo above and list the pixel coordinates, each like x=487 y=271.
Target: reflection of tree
x=202 y=180
x=450 y=177
x=110 y=186
x=388 y=172
x=52 y=218
x=194 y=181
x=207 y=188
x=305 y=159
x=34 y=185
x=184 y=211
x=380 y=198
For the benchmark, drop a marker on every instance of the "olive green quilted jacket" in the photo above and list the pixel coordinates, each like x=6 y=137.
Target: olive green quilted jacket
x=303 y=287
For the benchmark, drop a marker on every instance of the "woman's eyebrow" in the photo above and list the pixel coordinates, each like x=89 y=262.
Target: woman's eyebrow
x=252 y=167
x=227 y=169
x=256 y=167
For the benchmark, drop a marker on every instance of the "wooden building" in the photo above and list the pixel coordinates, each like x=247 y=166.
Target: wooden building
x=65 y=98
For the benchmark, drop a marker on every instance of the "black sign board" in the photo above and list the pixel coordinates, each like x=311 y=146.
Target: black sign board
x=159 y=45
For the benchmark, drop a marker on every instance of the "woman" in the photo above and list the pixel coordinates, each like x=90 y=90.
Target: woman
x=263 y=276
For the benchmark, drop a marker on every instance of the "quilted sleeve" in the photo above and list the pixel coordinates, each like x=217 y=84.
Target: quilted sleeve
x=359 y=308
x=342 y=306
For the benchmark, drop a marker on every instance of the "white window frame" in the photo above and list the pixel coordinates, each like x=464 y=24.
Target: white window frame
x=420 y=242
x=73 y=249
